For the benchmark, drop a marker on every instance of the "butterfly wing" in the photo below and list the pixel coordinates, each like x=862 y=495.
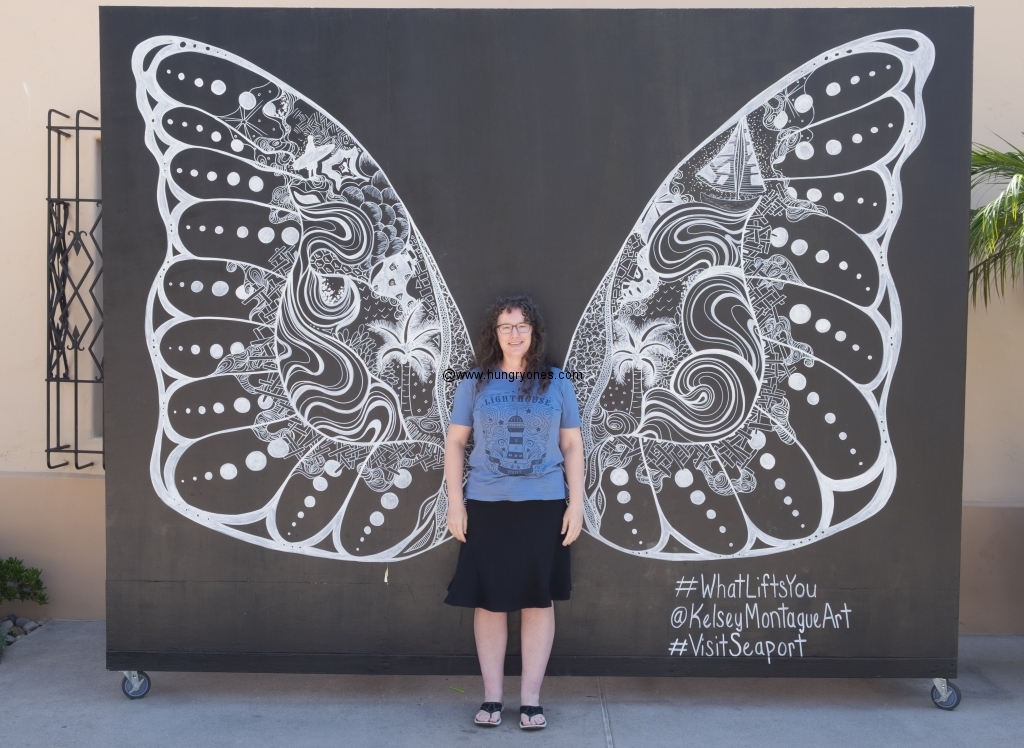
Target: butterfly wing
x=298 y=324
x=738 y=352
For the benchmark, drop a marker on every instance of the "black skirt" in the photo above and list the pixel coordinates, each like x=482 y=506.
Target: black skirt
x=513 y=557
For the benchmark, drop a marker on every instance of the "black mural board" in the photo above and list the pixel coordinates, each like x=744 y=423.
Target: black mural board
x=525 y=144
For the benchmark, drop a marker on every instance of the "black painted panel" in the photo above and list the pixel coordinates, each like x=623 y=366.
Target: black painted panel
x=524 y=145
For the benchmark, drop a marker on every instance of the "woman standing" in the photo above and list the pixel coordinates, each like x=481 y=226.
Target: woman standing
x=514 y=526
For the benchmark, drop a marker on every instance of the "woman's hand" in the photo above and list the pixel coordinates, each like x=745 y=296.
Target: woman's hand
x=570 y=441
x=572 y=522
x=454 y=459
x=458 y=520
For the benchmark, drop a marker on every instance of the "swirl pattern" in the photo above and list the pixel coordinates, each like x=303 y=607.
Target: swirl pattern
x=738 y=353
x=297 y=324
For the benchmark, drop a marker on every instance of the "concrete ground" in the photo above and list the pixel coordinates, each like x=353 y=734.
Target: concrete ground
x=54 y=691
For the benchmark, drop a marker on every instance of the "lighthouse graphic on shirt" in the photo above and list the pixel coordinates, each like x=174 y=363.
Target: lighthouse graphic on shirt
x=516 y=429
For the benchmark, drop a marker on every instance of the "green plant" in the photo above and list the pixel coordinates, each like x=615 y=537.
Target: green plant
x=20 y=583
x=997 y=229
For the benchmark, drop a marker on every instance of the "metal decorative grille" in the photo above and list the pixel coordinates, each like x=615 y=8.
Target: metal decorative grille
x=74 y=298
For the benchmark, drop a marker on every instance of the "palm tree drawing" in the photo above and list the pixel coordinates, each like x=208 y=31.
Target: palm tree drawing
x=411 y=344
x=640 y=349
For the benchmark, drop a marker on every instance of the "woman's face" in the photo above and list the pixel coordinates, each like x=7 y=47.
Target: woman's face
x=516 y=344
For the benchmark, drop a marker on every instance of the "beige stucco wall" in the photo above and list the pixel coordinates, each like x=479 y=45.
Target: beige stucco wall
x=49 y=57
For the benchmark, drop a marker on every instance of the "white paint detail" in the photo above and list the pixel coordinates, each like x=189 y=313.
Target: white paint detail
x=255 y=461
x=800 y=314
x=601 y=339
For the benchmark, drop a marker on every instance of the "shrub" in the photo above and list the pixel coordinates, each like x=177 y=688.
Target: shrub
x=20 y=583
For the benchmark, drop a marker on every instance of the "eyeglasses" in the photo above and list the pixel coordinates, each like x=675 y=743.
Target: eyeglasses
x=523 y=328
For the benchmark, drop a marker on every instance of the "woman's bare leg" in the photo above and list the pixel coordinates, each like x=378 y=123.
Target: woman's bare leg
x=491 y=630
x=538 y=629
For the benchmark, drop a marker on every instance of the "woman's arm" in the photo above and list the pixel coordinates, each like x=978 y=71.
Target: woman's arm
x=454 y=462
x=570 y=441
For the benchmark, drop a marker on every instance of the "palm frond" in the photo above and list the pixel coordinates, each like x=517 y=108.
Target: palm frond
x=992 y=165
x=997 y=229
x=997 y=241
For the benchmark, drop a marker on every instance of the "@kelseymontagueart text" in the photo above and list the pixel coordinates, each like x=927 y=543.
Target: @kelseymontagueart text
x=762 y=615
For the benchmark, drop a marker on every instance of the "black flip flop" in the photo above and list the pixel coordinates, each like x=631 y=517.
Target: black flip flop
x=490 y=707
x=531 y=711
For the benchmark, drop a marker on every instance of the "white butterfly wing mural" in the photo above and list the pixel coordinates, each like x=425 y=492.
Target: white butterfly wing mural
x=298 y=324
x=737 y=353
x=739 y=350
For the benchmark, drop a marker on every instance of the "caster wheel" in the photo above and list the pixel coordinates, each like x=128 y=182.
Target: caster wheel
x=136 y=691
x=952 y=698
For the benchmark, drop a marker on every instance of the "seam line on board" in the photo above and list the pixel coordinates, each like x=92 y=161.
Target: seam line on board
x=604 y=714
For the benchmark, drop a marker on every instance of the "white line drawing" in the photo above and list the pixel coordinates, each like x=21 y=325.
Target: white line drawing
x=737 y=353
x=757 y=423
x=297 y=325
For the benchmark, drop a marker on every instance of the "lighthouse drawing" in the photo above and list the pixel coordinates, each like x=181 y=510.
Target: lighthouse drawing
x=515 y=436
x=516 y=426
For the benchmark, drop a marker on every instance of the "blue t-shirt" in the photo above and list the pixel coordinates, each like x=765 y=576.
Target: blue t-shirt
x=515 y=455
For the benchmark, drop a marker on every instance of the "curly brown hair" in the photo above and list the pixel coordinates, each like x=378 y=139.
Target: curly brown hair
x=489 y=354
